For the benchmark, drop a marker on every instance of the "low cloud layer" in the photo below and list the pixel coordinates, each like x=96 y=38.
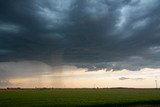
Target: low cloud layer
x=126 y=78
x=93 y=34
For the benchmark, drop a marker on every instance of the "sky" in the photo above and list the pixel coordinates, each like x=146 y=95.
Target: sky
x=79 y=43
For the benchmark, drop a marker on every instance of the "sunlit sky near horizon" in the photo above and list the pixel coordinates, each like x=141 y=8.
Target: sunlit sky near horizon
x=79 y=43
x=73 y=77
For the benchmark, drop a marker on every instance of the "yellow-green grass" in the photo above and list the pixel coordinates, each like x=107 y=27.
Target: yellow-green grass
x=79 y=97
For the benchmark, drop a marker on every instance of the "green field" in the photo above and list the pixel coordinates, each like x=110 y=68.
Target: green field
x=79 y=97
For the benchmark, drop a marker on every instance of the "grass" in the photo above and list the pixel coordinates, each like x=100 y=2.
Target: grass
x=79 y=97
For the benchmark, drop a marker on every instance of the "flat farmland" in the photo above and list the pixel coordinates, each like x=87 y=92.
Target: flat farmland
x=79 y=97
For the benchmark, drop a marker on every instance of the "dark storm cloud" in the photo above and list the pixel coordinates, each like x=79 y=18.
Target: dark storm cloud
x=93 y=34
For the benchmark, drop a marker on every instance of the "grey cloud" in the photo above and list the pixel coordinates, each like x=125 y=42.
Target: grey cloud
x=126 y=78
x=123 y=78
x=138 y=78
